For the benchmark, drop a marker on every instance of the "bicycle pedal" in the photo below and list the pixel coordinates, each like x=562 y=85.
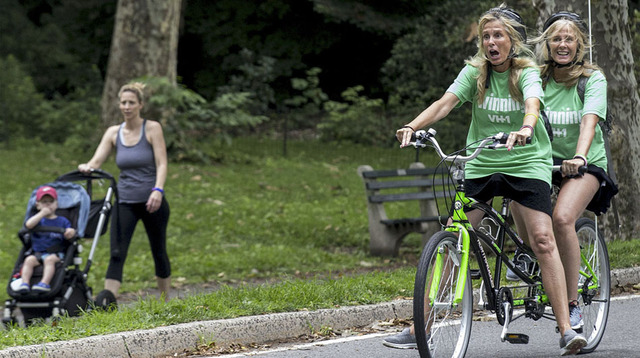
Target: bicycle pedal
x=516 y=338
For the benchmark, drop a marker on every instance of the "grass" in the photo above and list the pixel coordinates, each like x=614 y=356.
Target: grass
x=227 y=302
x=299 y=220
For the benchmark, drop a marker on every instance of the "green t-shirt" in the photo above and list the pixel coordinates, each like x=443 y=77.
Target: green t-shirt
x=565 y=110
x=501 y=113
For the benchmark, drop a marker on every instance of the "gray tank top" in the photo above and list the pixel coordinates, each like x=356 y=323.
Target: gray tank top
x=137 y=168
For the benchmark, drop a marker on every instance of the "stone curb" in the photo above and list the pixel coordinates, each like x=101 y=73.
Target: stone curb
x=253 y=329
x=165 y=341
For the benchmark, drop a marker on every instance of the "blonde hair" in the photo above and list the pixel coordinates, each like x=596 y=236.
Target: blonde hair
x=580 y=67
x=520 y=55
x=136 y=88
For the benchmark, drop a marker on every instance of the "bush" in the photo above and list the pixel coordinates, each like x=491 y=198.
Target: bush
x=188 y=118
x=19 y=101
x=359 y=120
x=71 y=120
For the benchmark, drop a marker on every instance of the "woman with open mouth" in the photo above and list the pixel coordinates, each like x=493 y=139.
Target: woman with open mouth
x=503 y=83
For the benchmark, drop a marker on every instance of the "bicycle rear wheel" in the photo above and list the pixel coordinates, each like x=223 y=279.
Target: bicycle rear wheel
x=595 y=283
x=442 y=326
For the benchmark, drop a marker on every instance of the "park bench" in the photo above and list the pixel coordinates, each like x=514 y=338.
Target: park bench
x=415 y=183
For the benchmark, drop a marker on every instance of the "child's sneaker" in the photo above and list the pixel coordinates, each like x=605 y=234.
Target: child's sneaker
x=41 y=287
x=571 y=343
x=24 y=288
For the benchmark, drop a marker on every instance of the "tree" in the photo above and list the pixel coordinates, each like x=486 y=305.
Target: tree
x=612 y=52
x=145 y=43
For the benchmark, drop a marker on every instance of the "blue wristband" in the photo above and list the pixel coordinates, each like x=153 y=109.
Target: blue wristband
x=158 y=189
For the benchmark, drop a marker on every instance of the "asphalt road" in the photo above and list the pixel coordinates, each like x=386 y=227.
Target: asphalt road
x=621 y=337
x=621 y=340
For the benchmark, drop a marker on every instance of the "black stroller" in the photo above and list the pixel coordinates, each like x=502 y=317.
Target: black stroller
x=69 y=293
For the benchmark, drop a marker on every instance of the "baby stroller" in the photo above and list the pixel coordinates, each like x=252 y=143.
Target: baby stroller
x=69 y=292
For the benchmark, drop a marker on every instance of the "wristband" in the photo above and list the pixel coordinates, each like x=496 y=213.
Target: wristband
x=408 y=126
x=580 y=156
x=532 y=114
x=158 y=189
x=527 y=126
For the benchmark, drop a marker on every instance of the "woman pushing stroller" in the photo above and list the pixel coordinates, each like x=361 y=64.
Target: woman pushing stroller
x=141 y=156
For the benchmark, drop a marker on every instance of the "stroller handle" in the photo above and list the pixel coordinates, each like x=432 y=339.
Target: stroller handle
x=77 y=175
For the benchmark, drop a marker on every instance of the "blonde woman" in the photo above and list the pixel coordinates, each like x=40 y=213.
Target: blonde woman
x=503 y=84
x=141 y=156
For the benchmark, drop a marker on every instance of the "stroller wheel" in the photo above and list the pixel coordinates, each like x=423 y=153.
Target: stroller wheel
x=8 y=322
x=35 y=314
x=106 y=300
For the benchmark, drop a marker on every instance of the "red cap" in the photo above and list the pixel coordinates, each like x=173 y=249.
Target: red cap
x=46 y=190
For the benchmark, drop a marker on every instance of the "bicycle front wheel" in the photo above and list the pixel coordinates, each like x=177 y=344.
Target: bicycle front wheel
x=442 y=321
x=594 y=284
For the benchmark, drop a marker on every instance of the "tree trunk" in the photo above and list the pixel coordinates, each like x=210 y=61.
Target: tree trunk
x=612 y=52
x=145 y=43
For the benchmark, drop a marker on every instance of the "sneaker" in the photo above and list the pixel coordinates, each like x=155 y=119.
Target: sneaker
x=24 y=288
x=522 y=261
x=571 y=343
x=575 y=316
x=402 y=340
x=41 y=287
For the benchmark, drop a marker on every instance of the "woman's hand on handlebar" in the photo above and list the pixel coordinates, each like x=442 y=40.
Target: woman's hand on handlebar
x=84 y=168
x=404 y=136
x=519 y=138
x=571 y=167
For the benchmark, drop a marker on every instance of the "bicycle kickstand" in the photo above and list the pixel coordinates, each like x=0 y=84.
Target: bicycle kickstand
x=513 y=338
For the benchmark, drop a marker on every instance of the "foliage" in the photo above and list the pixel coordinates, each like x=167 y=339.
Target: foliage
x=71 y=120
x=307 y=101
x=188 y=118
x=55 y=43
x=253 y=77
x=383 y=17
x=358 y=120
x=19 y=101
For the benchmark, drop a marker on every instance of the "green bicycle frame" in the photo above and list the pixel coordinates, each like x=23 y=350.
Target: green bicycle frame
x=461 y=226
x=590 y=274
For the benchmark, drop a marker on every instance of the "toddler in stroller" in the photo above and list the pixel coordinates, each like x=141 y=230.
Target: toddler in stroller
x=46 y=245
x=67 y=292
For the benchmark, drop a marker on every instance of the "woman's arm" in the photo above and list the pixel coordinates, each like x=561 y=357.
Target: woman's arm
x=587 y=133
x=435 y=112
x=531 y=115
x=107 y=143
x=156 y=138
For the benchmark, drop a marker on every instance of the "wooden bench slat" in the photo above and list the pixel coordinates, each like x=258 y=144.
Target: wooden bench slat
x=373 y=174
x=377 y=185
x=422 y=195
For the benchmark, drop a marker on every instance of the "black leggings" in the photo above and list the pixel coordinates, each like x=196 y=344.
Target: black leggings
x=126 y=216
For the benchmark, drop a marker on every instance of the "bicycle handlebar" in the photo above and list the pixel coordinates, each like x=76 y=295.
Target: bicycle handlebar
x=420 y=137
x=581 y=170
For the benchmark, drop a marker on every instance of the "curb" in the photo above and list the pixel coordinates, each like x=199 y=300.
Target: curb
x=166 y=341
x=252 y=329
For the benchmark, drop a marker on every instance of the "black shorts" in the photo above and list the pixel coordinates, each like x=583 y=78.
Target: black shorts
x=602 y=199
x=532 y=193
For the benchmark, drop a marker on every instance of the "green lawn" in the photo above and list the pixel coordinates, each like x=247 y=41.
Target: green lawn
x=257 y=215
